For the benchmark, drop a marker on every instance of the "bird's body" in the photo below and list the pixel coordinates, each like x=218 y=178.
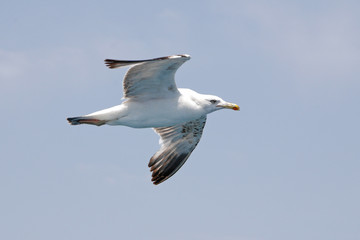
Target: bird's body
x=152 y=100
x=152 y=114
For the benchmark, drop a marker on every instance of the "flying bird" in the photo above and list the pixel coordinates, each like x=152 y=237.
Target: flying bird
x=152 y=100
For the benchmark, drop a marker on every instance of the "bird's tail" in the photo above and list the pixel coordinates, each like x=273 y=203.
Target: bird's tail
x=85 y=120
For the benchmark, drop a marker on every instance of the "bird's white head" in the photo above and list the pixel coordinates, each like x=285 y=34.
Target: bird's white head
x=213 y=103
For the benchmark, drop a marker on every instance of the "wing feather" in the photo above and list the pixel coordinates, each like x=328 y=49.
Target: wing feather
x=177 y=143
x=152 y=78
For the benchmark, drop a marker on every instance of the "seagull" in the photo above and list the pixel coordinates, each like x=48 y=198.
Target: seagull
x=152 y=100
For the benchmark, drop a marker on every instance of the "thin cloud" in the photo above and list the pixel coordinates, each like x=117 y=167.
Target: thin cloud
x=12 y=65
x=322 y=44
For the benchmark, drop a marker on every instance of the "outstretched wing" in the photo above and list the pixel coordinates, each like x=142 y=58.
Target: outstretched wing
x=152 y=78
x=177 y=143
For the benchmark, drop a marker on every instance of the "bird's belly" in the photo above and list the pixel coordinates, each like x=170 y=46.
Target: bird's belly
x=162 y=114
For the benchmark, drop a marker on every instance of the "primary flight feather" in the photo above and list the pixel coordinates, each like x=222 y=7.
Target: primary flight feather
x=152 y=100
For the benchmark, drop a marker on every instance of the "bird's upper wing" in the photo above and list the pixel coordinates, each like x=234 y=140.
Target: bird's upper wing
x=177 y=143
x=148 y=79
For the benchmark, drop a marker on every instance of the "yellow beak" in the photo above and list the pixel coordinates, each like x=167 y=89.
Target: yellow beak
x=230 y=106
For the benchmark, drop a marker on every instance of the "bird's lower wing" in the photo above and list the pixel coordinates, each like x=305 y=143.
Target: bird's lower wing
x=177 y=143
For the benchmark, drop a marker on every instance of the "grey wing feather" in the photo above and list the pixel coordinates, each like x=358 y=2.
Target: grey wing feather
x=152 y=78
x=113 y=63
x=177 y=143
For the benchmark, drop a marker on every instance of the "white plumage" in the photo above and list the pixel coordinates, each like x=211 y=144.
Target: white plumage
x=152 y=100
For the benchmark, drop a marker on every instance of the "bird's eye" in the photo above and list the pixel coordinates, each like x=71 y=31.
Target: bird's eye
x=213 y=101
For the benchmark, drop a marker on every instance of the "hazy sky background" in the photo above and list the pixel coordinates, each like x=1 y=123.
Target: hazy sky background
x=286 y=167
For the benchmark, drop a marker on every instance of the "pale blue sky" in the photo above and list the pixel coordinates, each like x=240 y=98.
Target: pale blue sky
x=285 y=167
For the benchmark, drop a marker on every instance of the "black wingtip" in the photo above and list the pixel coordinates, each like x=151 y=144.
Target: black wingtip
x=113 y=63
x=167 y=167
